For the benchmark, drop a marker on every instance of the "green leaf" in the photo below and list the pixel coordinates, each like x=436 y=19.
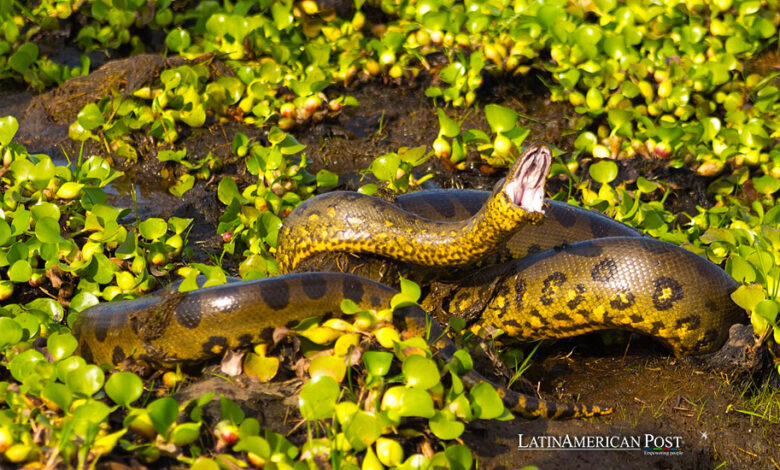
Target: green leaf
x=23 y=364
x=748 y=297
x=178 y=40
x=185 y=182
x=8 y=127
x=318 y=398
x=230 y=411
x=59 y=394
x=85 y=380
x=61 y=346
x=24 y=57
x=378 y=362
x=604 y=171
x=185 y=434
x=10 y=332
x=254 y=444
x=501 y=119
x=485 y=401
x=20 y=271
x=47 y=230
x=362 y=430
x=448 y=127
x=124 y=388
x=416 y=402
x=163 y=413
x=420 y=372
x=327 y=179
x=228 y=190
x=445 y=425
x=90 y=117
x=152 y=229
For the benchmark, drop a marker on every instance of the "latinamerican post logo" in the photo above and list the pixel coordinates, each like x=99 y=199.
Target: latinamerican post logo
x=649 y=444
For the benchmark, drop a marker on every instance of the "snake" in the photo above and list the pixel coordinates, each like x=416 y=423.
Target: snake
x=565 y=287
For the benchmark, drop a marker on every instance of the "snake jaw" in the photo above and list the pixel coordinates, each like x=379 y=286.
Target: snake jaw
x=525 y=186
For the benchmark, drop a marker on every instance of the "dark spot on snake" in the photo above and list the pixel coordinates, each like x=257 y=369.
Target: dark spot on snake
x=663 y=300
x=536 y=314
x=573 y=303
x=533 y=249
x=315 y=286
x=101 y=328
x=654 y=246
x=710 y=337
x=117 y=355
x=561 y=316
x=445 y=207
x=375 y=301
x=563 y=215
x=604 y=270
x=352 y=289
x=245 y=340
x=622 y=301
x=550 y=287
x=635 y=318
x=275 y=293
x=711 y=306
x=519 y=293
x=215 y=345
x=657 y=325
x=587 y=249
x=86 y=352
x=514 y=323
x=693 y=322
x=188 y=315
x=598 y=228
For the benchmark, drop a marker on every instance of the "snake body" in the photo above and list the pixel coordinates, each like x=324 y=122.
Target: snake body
x=628 y=282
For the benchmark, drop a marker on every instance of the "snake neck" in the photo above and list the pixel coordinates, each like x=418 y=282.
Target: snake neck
x=394 y=233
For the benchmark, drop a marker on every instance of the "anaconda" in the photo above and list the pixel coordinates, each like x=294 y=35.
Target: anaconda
x=192 y=326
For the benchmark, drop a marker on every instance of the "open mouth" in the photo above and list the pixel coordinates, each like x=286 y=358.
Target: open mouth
x=526 y=184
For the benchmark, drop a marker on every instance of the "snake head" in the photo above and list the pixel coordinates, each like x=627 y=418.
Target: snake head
x=524 y=185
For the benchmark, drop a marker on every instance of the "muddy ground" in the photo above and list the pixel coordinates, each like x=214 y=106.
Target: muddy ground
x=651 y=392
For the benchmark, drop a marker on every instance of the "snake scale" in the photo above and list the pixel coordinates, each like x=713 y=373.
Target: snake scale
x=624 y=281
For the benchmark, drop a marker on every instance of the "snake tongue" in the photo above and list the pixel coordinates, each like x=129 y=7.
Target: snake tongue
x=526 y=186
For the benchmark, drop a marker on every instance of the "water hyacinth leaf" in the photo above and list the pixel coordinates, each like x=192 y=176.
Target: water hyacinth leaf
x=420 y=372
x=416 y=402
x=8 y=127
x=85 y=380
x=385 y=167
x=499 y=118
x=227 y=191
x=327 y=179
x=20 y=271
x=459 y=457
x=10 y=332
x=768 y=309
x=178 y=40
x=124 y=388
x=377 y=362
x=229 y=410
x=255 y=444
x=445 y=425
x=153 y=228
x=261 y=367
x=68 y=364
x=604 y=171
x=59 y=394
x=362 y=429
x=448 y=126
x=61 y=346
x=26 y=55
x=318 y=398
x=332 y=366
x=184 y=183
x=47 y=230
x=90 y=117
x=485 y=401
x=5 y=233
x=184 y=434
x=22 y=365
x=163 y=413
x=766 y=184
